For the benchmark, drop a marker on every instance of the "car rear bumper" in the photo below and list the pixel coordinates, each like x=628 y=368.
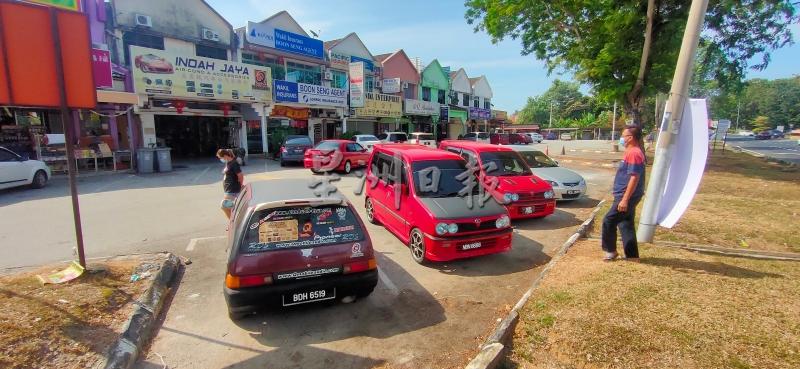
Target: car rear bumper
x=248 y=299
x=292 y=157
x=446 y=249
x=538 y=209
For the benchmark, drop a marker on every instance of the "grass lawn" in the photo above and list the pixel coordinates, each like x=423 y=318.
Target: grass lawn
x=743 y=201
x=674 y=309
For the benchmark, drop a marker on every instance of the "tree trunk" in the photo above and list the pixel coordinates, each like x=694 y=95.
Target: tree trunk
x=633 y=101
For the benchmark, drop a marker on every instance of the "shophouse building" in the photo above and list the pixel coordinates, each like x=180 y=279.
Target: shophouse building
x=340 y=53
x=480 y=109
x=460 y=100
x=434 y=90
x=399 y=81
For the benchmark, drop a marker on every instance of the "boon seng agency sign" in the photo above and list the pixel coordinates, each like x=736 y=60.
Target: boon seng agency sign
x=264 y=35
x=286 y=91
x=166 y=73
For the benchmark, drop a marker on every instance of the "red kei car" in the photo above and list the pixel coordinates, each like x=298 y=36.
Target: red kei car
x=418 y=194
x=339 y=155
x=524 y=194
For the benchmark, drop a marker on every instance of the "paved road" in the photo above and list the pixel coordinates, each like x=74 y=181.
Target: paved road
x=418 y=316
x=786 y=149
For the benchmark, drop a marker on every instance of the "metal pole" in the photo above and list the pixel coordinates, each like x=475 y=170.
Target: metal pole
x=68 y=135
x=671 y=122
x=738 y=104
x=614 y=121
x=551 y=114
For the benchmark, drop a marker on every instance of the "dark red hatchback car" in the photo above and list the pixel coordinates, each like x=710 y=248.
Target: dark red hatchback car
x=289 y=246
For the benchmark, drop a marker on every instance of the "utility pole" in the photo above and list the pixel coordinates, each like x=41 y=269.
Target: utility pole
x=738 y=104
x=671 y=123
x=614 y=121
x=551 y=114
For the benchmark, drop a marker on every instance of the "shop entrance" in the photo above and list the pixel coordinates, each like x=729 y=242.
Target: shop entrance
x=195 y=136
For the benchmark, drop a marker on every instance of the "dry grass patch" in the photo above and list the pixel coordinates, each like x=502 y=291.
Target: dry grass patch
x=743 y=201
x=675 y=309
x=69 y=325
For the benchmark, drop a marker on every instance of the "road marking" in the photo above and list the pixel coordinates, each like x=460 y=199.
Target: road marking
x=387 y=282
x=200 y=175
x=193 y=241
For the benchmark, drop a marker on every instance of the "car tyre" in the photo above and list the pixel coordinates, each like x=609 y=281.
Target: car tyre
x=371 y=212
x=235 y=316
x=283 y=163
x=39 y=179
x=364 y=292
x=348 y=167
x=416 y=244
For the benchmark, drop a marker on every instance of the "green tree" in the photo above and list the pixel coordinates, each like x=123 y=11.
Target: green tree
x=564 y=99
x=761 y=123
x=627 y=50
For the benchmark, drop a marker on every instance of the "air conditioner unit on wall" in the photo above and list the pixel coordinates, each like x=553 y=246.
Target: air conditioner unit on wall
x=143 y=20
x=328 y=75
x=209 y=34
x=378 y=83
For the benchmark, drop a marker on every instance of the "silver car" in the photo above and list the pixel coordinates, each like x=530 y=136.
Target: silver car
x=367 y=141
x=567 y=184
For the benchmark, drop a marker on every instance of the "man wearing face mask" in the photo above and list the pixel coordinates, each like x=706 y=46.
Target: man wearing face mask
x=628 y=191
x=232 y=179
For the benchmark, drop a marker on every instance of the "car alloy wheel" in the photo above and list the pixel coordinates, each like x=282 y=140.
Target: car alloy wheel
x=416 y=244
x=39 y=179
x=347 y=167
x=370 y=212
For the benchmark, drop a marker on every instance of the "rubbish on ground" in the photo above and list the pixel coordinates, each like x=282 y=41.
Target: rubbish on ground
x=63 y=301
x=74 y=270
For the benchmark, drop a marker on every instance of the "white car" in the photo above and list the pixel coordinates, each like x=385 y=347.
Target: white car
x=746 y=133
x=393 y=137
x=535 y=137
x=422 y=138
x=18 y=171
x=567 y=184
x=366 y=141
x=481 y=137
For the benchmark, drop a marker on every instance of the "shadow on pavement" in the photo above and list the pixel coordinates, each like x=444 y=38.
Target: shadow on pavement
x=585 y=203
x=306 y=357
x=383 y=314
x=559 y=219
x=525 y=254
x=717 y=268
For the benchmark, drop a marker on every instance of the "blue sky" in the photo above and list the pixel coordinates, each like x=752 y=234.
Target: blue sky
x=436 y=29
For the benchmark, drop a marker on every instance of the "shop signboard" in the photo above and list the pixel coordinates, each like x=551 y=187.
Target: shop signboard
x=169 y=73
x=420 y=107
x=357 y=85
x=265 y=35
x=390 y=85
x=101 y=68
x=499 y=114
x=289 y=112
x=380 y=105
x=286 y=91
x=479 y=113
x=339 y=61
x=63 y=4
x=368 y=64
x=444 y=113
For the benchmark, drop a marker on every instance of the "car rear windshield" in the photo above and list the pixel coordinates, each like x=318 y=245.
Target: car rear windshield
x=437 y=178
x=367 y=138
x=399 y=137
x=425 y=137
x=328 y=146
x=298 y=141
x=537 y=159
x=293 y=227
x=506 y=163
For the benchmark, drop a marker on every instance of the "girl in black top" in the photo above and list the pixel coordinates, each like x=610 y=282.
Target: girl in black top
x=232 y=180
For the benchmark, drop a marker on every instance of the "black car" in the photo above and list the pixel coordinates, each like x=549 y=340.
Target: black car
x=776 y=133
x=294 y=148
x=763 y=135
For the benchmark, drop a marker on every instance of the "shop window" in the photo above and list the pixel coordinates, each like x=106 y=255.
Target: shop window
x=211 y=52
x=369 y=83
x=408 y=92
x=140 y=39
x=265 y=61
x=476 y=102
x=426 y=93
x=487 y=104
x=465 y=100
x=339 y=79
x=303 y=73
x=441 y=96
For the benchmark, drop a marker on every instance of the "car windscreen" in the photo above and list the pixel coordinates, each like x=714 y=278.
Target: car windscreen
x=367 y=138
x=506 y=163
x=537 y=159
x=399 y=137
x=328 y=146
x=298 y=141
x=427 y=183
x=425 y=137
x=293 y=227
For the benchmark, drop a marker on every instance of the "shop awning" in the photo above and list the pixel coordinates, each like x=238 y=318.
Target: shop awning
x=117 y=97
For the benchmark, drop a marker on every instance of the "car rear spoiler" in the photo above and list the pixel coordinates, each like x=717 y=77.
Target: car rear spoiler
x=313 y=202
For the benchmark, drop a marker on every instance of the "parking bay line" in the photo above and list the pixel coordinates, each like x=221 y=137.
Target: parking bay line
x=387 y=282
x=200 y=175
x=193 y=241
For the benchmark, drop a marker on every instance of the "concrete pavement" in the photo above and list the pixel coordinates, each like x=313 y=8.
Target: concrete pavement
x=783 y=149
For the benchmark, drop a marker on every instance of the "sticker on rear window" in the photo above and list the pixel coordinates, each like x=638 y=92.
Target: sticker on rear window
x=283 y=228
x=278 y=231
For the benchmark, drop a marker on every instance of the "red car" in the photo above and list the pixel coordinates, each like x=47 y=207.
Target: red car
x=150 y=63
x=524 y=194
x=338 y=155
x=519 y=139
x=436 y=215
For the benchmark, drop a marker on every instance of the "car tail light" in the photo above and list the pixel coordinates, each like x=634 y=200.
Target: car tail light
x=236 y=282
x=360 y=266
x=283 y=149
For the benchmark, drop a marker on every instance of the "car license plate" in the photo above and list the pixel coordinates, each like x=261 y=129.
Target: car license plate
x=527 y=210
x=572 y=192
x=302 y=297
x=470 y=246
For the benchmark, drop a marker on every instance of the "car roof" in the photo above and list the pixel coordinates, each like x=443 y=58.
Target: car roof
x=522 y=148
x=421 y=133
x=275 y=190
x=477 y=146
x=417 y=152
x=364 y=135
x=336 y=140
x=394 y=132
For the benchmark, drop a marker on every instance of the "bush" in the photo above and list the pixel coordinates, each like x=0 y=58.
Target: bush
x=349 y=135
